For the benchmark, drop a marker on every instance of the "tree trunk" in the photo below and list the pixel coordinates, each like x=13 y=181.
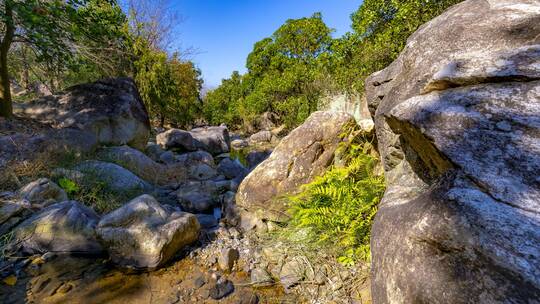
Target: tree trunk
x=26 y=69
x=6 y=108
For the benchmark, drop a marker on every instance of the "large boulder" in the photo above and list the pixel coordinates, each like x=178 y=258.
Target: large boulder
x=136 y=162
x=197 y=196
x=175 y=139
x=212 y=139
x=110 y=109
x=302 y=155
x=144 y=234
x=458 y=129
x=117 y=178
x=198 y=165
x=67 y=227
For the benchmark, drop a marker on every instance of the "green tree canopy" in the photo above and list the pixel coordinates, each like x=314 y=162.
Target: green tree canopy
x=54 y=31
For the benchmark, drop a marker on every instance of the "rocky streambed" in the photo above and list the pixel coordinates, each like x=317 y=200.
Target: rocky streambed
x=169 y=229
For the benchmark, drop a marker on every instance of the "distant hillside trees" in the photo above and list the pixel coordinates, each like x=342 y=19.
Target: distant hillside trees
x=289 y=71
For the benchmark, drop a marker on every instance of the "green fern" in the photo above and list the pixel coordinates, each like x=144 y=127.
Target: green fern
x=339 y=207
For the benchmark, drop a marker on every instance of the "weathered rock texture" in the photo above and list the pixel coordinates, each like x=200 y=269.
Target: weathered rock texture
x=302 y=155
x=176 y=139
x=43 y=191
x=458 y=126
x=111 y=109
x=67 y=227
x=215 y=140
x=144 y=234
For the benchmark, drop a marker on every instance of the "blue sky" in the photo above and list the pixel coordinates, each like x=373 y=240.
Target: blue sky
x=224 y=31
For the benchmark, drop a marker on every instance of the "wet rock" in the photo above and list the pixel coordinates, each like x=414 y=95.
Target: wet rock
x=42 y=191
x=144 y=234
x=301 y=156
x=110 y=109
x=214 y=140
x=456 y=118
x=207 y=220
x=228 y=258
x=175 y=139
x=62 y=227
x=221 y=290
x=261 y=278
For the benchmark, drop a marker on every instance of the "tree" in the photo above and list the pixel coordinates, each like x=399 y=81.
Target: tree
x=169 y=84
x=282 y=76
x=52 y=31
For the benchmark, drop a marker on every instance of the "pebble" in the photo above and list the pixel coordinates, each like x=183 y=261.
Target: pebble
x=221 y=290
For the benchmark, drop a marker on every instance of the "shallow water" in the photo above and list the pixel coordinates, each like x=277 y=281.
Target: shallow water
x=85 y=280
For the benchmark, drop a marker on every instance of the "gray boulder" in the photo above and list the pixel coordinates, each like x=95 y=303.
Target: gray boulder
x=212 y=139
x=457 y=123
x=175 y=139
x=301 y=156
x=117 y=178
x=239 y=144
x=197 y=196
x=110 y=109
x=67 y=227
x=254 y=158
x=262 y=137
x=154 y=151
x=144 y=235
x=231 y=168
x=136 y=162
x=42 y=191
x=198 y=165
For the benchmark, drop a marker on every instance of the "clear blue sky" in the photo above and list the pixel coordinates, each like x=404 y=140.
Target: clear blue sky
x=224 y=31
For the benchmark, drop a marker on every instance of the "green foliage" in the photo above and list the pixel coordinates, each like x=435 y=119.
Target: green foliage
x=380 y=32
x=289 y=71
x=338 y=208
x=68 y=185
x=168 y=85
x=95 y=193
x=61 y=43
x=281 y=78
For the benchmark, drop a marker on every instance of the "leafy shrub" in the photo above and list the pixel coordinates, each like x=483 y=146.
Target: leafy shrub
x=337 y=209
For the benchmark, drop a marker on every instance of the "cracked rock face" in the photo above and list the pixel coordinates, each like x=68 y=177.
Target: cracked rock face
x=302 y=155
x=457 y=118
